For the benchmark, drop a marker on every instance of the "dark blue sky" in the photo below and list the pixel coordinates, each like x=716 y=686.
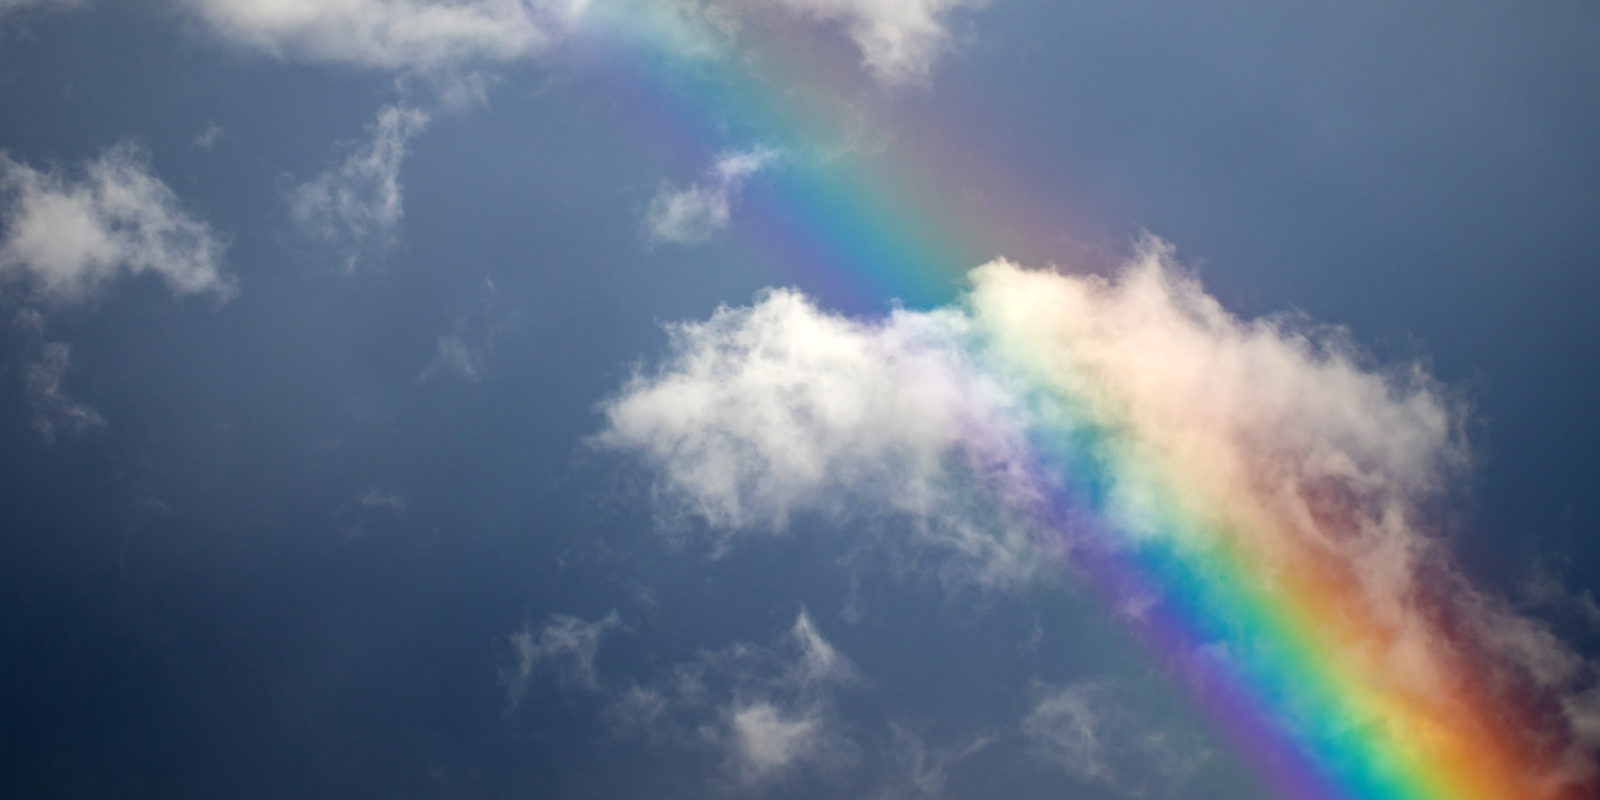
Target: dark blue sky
x=330 y=519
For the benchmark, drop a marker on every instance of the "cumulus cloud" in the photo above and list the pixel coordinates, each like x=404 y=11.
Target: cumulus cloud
x=977 y=425
x=768 y=711
x=780 y=408
x=358 y=204
x=68 y=237
x=695 y=213
x=899 y=39
x=390 y=34
x=566 y=644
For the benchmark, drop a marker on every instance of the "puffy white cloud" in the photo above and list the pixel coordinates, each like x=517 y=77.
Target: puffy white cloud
x=765 y=411
x=390 y=34
x=358 y=204
x=899 y=39
x=961 y=422
x=693 y=214
x=566 y=643
x=69 y=237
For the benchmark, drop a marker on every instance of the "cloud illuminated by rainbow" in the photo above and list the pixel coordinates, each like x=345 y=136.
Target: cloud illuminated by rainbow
x=1257 y=502
x=1248 y=496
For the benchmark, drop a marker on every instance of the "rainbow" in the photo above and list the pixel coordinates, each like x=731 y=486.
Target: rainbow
x=1274 y=640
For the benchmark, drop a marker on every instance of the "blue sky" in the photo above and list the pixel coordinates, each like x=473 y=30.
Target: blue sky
x=320 y=326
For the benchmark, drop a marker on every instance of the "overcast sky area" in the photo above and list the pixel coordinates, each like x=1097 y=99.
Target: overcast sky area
x=632 y=398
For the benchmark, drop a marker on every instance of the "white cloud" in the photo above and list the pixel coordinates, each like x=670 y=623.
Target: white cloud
x=767 y=711
x=565 y=643
x=765 y=411
x=693 y=214
x=1278 y=432
x=767 y=740
x=390 y=34
x=359 y=203
x=899 y=39
x=67 y=238
x=207 y=138
x=54 y=410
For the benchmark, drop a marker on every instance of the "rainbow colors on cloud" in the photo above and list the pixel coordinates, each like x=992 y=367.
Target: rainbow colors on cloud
x=1258 y=503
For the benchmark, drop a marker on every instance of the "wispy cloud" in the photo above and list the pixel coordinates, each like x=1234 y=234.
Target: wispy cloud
x=390 y=34
x=918 y=769
x=565 y=644
x=54 y=410
x=695 y=213
x=466 y=348
x=207 y=138
x=68 y=237
x=899 y=39
x=1087 y=729
x=387 y=499
x=358 y=204
x=767 y=711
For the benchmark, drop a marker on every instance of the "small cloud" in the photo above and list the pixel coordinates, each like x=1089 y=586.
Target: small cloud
x=69 y=237
x=54 y=410
x=1086 y=728
x=382 y=498
x=768 y=710
x=767 y=740
x=466 y=349
x=207 y=137
x=819 y=662
x=455 y=355
x=566 y=644
x=694 y=214
x=899 y=41
x=358 y=204
x=920 y=770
